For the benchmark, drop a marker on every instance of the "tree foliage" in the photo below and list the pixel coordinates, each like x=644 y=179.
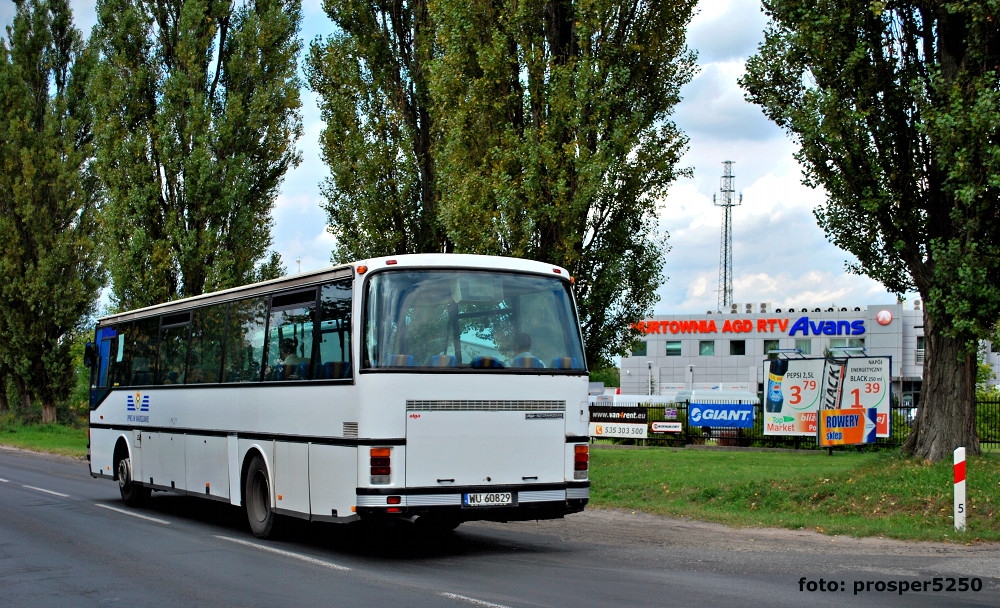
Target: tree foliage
x=896 y=106
x=197 y=107
x=549 y=136
x=49 y=270
x=371 y=78
x=557 y=142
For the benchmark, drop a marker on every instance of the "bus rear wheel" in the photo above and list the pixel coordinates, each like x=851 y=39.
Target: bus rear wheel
x=133 y=494
x=257 y=500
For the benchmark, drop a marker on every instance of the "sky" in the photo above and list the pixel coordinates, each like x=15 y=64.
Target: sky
x=780 y=255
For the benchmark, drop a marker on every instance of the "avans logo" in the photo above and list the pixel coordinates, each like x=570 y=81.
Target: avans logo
x=828 y=328
x=884 y=317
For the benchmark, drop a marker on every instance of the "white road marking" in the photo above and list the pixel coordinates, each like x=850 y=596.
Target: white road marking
x=2 y=480
x=471 y=600
x=131 y=514
x=298 y=556
x=61 y=495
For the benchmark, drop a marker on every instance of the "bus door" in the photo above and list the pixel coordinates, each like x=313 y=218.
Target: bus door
x=109 y=348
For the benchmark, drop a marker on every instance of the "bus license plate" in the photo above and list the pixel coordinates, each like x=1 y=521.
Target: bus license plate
x=488 y=499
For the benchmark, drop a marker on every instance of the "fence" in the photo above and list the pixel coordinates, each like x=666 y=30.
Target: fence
x=987 y=421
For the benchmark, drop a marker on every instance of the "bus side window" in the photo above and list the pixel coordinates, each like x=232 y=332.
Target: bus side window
x=335 y=327
x=119 y=356
x=174 y=347
x=207 y=334
x=290 y=336
x=143 y=351
x=244 y=350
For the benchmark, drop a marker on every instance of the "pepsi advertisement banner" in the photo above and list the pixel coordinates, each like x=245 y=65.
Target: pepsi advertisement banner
x=730 y=415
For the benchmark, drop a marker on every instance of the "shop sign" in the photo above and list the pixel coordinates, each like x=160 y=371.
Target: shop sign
x=804 y=326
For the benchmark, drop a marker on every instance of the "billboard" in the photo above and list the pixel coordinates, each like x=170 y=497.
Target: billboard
x=791 y=396
x=795 y=390
x=859 y=383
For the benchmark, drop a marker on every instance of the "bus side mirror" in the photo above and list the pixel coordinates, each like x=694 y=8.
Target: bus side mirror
x=89 y=355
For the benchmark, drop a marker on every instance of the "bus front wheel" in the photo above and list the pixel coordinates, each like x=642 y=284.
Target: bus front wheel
x=133 y=494
x=257 y=499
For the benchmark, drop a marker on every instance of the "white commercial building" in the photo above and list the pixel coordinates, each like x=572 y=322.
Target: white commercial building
x=727 y=350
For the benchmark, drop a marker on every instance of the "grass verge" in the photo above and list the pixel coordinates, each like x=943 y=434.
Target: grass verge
x=848 y=493
x=50 y=438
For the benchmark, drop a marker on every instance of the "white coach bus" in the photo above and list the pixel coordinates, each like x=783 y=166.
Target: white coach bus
x=439 y=388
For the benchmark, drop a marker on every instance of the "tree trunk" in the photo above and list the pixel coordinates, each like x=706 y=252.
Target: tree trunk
x=946 y=418
x=48 y=412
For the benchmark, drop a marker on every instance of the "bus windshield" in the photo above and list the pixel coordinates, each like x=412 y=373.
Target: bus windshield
x=471 y=319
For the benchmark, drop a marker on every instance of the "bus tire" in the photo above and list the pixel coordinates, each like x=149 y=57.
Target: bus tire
x=257 y=499
x=133 y=494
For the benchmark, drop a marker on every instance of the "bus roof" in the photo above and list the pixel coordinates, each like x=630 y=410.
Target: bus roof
x=315 y=277
x=462 y=260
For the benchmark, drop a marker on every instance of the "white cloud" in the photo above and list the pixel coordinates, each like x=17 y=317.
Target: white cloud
x=714 y=107
x=780 y=255
x=724 y=30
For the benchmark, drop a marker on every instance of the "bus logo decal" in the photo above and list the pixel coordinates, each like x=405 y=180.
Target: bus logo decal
x=137 y=402
x=549 y=416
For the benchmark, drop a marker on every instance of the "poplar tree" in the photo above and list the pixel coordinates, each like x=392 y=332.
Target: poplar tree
x=50 y=275
x=371 y=78
x=197 y=114
x=896 y=107
x=558 y=144
x=548 y=137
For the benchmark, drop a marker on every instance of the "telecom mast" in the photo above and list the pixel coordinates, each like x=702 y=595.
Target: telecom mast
x=726 y=253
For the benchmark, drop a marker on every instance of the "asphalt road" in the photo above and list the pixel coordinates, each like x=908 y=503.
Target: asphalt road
x=67 y=540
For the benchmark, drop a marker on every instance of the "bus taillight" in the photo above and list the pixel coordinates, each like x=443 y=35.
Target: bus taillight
x=581 y=461
x=381 y=465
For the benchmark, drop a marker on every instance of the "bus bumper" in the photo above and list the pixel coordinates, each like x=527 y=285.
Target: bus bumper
x=520 y=503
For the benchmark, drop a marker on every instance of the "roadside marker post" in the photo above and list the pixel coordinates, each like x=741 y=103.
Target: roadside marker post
x=960 y=489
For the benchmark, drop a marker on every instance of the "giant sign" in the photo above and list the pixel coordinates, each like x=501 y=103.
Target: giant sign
x=732 y=415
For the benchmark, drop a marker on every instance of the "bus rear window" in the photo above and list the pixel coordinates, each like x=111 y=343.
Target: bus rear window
x=471 y=320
